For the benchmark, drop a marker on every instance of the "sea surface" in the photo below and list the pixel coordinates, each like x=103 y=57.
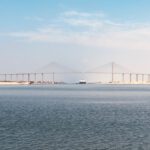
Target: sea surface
x=75 y=117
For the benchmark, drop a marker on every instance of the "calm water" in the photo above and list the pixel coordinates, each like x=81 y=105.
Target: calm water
x=75 y=117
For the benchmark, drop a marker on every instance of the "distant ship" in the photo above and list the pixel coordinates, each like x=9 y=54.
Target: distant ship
x=82 y=82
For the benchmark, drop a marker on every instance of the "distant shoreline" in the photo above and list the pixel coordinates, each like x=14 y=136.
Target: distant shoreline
x=32 y=83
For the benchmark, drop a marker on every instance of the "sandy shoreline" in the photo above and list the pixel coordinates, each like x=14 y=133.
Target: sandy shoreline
x=14 y=83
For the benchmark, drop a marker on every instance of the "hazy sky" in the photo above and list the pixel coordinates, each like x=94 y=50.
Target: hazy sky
x=76 y=33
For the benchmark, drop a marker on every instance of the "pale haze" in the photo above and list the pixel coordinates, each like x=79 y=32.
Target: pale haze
x=80 y=34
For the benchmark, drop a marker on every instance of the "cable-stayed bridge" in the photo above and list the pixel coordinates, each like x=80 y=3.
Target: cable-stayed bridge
x=55 y=73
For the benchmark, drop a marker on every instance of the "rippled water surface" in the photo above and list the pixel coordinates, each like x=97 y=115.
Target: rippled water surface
x=75 y=117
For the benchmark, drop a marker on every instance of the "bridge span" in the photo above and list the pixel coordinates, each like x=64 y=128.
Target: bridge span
x=110 y=73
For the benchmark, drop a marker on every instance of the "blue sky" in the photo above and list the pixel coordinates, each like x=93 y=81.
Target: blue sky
x=76 y=33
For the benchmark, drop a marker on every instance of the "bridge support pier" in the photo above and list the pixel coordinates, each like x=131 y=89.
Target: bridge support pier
x=142 y=78
x=28 y=77
x=123 y=78
x=10 y=77
x=5 y=77
x=148 y=78
x=53 y=82
x=42 y=77
x=16 y=77
x=35 y=77
x=130 y=78
x=22 y=77
x=137 y=78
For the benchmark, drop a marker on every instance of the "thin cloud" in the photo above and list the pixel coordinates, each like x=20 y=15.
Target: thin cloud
x=90 y=30
x=94 y=24
x=81 y=14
